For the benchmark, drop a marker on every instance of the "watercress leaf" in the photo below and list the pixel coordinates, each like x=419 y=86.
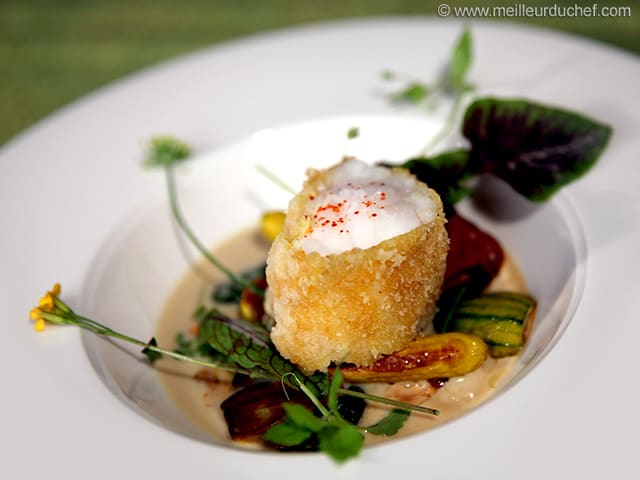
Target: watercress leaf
x=341 y=442
x=151 y=355
x=535 y=148
x=303 y=417
x=353 y=132
x=412 y=93
x=247 y=344
x=461 y=59
x=165 y=151
x=287 y=434
x=390 y=424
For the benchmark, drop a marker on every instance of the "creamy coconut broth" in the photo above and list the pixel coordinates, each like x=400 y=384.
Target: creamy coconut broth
x=200 y=399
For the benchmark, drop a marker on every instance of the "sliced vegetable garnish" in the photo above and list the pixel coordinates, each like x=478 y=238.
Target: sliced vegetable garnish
x=433 y=356
x=254 y=409
x=502 y=319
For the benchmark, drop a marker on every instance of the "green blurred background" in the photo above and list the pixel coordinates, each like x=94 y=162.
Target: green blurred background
x=52 y=52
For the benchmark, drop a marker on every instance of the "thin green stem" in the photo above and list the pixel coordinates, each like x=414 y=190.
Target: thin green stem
x=86 y=323
x=60 y=304
x=278 y=181
x=389 y=401
x=307 y=391
x=450 y=123
x=195 y=361
x=177 y=214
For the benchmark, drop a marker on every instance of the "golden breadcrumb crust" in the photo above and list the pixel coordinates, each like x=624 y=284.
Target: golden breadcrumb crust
x=357 y=305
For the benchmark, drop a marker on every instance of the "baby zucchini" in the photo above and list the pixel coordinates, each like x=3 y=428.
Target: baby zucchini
x=434 y=356
x=502 y=319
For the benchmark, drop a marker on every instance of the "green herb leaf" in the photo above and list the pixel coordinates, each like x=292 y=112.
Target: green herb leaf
x=535 y=148
x=287 y=434
x=205 y=331
x=461 y=59
x=353 y=132
x=341 y=442
x=151 y=355
x=248 y=345
x=413 y=93
x=185 y=346
x=199 y=346
x=303 y=417
x=388 y=75
x=446 y=173
x=165 y=151
x=447 y=305
x=230 y=292
x=390 y=424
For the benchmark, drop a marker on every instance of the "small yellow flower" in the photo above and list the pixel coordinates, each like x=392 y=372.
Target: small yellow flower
x=46 y=303
x=39 y=325
x=55 y=291
x=36 y=314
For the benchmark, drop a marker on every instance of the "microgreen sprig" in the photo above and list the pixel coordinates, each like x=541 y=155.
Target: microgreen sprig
x=166 y=152
x=451 y=84
x=338 y=438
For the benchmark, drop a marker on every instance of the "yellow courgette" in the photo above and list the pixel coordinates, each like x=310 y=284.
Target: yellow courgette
x=442 y=355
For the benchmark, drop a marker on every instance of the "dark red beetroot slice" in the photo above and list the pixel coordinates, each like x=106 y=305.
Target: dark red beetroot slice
x=474 y=258
x=251 y=411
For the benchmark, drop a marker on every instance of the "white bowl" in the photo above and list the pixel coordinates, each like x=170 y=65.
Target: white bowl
x=221 y=193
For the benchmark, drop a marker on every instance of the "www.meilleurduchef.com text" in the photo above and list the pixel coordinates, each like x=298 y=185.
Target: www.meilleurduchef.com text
x=523 y=10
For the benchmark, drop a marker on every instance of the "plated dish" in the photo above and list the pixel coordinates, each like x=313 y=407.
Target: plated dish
x=446 y=435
